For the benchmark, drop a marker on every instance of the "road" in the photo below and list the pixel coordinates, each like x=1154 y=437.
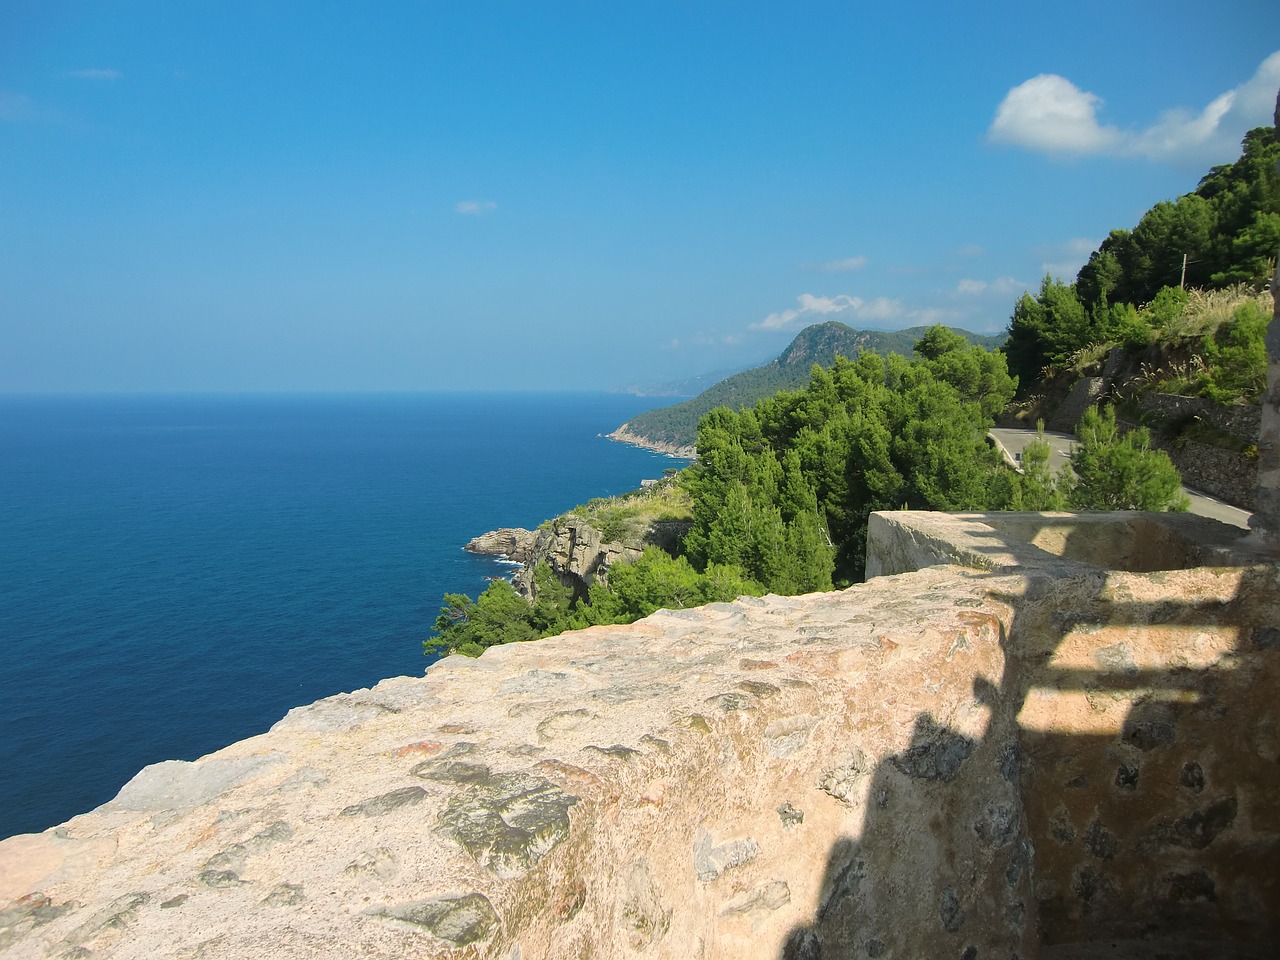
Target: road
x=1010 y=441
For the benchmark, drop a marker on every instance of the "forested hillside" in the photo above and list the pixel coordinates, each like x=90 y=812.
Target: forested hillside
x=1149 y=285
x=821 y=343
x=782 y=489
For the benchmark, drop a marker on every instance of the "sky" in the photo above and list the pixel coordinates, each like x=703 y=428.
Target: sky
x=408 y=196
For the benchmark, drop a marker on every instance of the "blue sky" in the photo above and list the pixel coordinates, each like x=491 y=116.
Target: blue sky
x=427 y=196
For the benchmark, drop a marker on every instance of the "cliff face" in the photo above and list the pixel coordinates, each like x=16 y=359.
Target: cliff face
x=514 y=543
x=577 y=553
x=942 y=763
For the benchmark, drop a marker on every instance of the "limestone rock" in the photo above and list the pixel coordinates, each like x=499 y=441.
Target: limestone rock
x=985 y=761
x=514 y=543
x=576 y=552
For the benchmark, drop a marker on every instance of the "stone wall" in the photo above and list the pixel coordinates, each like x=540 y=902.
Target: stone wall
x=1087 y=392
x=1023 y=755
x=1229 y=476
x=1240 y=420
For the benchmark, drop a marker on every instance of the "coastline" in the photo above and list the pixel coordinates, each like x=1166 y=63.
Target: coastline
x=623 y=435
x=350 y=528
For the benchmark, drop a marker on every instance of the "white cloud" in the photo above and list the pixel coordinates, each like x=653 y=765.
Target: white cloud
x=475 y=208
x=1051 y=114
x=1219 y=126
x=971 y=250
x=1001 y=286
x=94 y=74
x=811 y=307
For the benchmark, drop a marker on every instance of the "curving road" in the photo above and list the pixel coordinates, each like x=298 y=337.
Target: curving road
x=1011 y=440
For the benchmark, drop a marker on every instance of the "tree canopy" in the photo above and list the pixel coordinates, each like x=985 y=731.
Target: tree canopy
x=1225 y=232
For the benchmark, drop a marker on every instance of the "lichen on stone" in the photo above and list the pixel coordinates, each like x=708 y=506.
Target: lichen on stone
x=508 y=822
x=462 y=920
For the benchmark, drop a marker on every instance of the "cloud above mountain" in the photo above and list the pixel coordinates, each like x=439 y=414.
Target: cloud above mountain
x=840 y=307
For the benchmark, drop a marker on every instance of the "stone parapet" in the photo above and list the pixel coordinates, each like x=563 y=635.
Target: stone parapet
x=1001 y=749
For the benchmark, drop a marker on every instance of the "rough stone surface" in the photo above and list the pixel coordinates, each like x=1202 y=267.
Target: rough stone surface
x=1229 y=476
x=1028 y=756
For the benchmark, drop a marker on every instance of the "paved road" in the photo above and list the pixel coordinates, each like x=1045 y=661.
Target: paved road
x=1010 y=441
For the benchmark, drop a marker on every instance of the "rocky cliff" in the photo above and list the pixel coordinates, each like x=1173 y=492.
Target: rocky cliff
x=514 y=543
x=685 y=451
x=577 y=553
x=1026 y=755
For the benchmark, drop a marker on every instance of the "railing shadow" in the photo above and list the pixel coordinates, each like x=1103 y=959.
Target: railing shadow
x=1122 y=796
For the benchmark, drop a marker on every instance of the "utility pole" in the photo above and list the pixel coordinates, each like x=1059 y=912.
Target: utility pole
x=1182 y=283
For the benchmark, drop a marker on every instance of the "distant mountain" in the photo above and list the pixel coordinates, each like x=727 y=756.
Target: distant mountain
x=688 y=386
x=674 y=429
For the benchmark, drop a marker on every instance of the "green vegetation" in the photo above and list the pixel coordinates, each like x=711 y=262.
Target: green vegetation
x=1114 y=471
x=780 y=495
x=820 y=343
x=781 y=492
x=1039 y=489
x=626 y=517
x=656 y=581
x=1190 y=277
x=784 y=489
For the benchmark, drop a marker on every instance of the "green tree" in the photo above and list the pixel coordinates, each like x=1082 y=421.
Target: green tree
x=1114 y=471
x=1103 y=274
x=1236 y=357
x=499 y=615
x=1046 y=328
x=1038 y=488
x=554 y=603
x=1253 y=252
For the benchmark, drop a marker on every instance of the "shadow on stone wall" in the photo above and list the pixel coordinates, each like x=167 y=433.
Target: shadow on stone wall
x=1121 y=798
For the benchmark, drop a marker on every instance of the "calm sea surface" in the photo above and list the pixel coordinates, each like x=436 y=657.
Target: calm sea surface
x=176 y=573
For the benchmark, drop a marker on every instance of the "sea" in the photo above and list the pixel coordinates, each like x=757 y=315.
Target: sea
x=177 y=572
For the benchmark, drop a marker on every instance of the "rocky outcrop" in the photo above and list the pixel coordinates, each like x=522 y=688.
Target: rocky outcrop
x=577 y=554
x=514 y=543
x=1024 y=758
x=683 y=451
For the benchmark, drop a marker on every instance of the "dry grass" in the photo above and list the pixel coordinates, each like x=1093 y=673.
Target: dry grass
x=1207 y=310
x=628 y=516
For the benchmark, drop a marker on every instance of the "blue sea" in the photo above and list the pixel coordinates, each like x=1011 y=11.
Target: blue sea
x=176 y=573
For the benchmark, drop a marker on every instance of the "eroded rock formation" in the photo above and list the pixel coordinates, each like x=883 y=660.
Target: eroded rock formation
x=514 y=543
